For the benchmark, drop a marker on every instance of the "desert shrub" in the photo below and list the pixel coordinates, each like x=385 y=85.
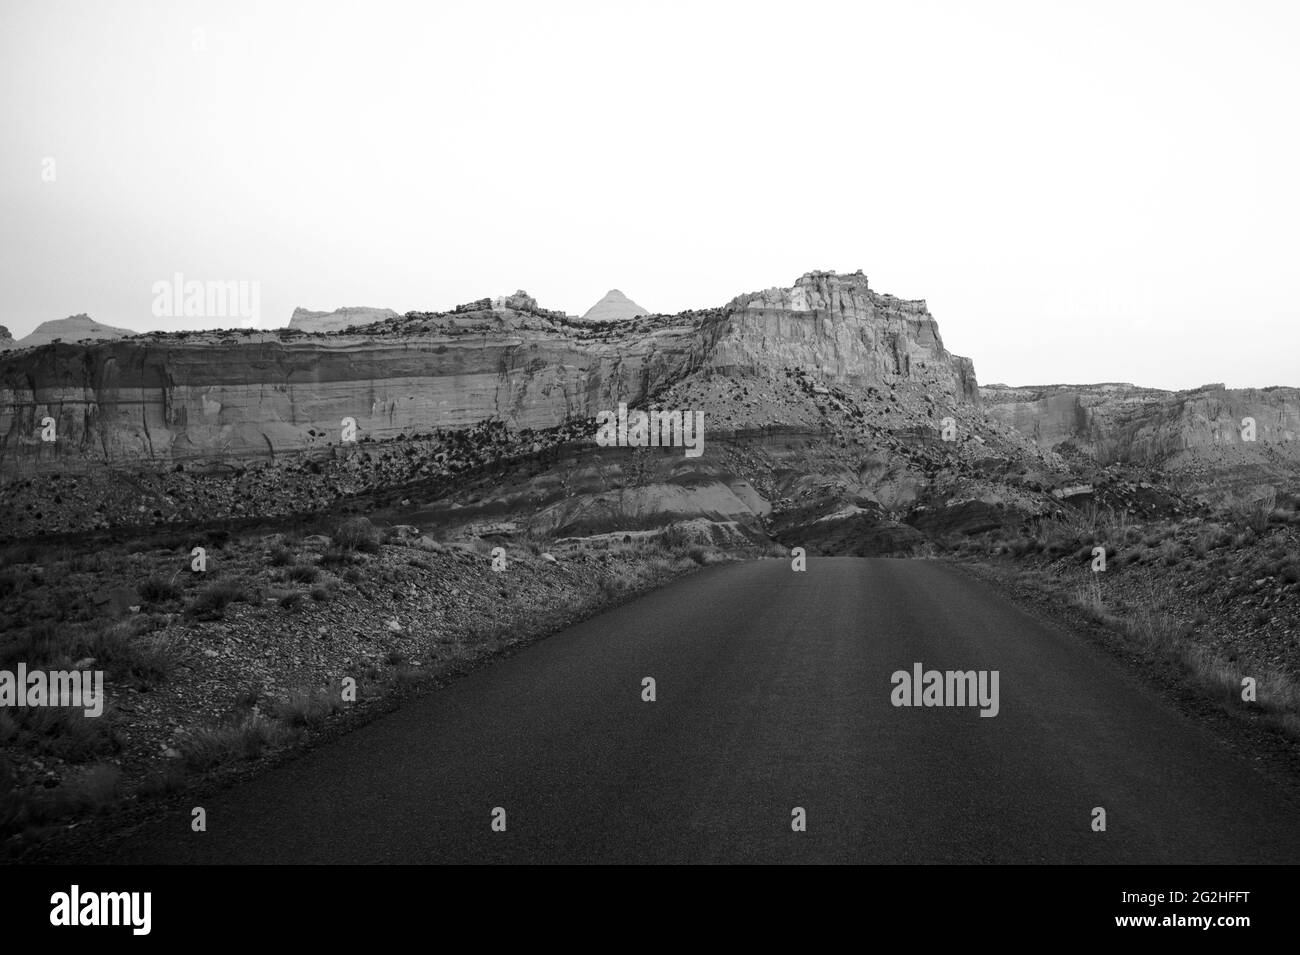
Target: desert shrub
x=356 y=533
x=1155 y=629
x=303 y=574
x=126 y=654
x=1021 y=546
x=249 y=738
x=290 y=600
x=1088 y=596
x=164 y=781
x=281 y=556
x=158 y=590
x=307 y=707
x=1253 y=516
x=674 y=538
x=210 y=602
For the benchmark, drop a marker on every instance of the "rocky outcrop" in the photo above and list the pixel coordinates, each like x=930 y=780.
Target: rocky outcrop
x=851 y=334
x=614 y=306
x=75 y=328
x=338 y=320
x=1201 y=434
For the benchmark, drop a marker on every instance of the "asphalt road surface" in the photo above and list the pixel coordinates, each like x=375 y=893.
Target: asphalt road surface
x=773 y=692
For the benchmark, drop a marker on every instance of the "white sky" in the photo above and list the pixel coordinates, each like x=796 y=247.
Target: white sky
x=1083 y=192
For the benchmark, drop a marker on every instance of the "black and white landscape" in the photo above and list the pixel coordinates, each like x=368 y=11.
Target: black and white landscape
x=326 y=542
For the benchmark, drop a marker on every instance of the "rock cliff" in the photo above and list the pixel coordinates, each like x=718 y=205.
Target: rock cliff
x=839 y=326
x=303 y=320
x=1200 y=435
x=165 y=398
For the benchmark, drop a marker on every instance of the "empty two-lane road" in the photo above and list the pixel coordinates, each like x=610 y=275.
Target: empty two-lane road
x=773 y=692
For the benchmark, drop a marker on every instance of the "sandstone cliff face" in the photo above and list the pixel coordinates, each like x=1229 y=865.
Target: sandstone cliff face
x=1197 y=433
x=161 y=402
x=167 y=398
x=838 y=325
x=336 y=321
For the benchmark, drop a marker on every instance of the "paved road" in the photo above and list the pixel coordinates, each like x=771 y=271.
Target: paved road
x=773 y=692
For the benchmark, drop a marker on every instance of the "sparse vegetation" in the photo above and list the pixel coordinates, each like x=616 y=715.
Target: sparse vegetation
x=356 y=534
x=210 y=603
x=306 y=707
x=303 y=574
x=1200 y=594
x=165 y=637
x=157 y=590
x=206 y=748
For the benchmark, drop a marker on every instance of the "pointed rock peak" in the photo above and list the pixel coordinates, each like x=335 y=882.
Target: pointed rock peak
x=613 y=307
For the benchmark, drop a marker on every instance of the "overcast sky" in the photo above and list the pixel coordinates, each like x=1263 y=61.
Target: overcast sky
x=1082 y=192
